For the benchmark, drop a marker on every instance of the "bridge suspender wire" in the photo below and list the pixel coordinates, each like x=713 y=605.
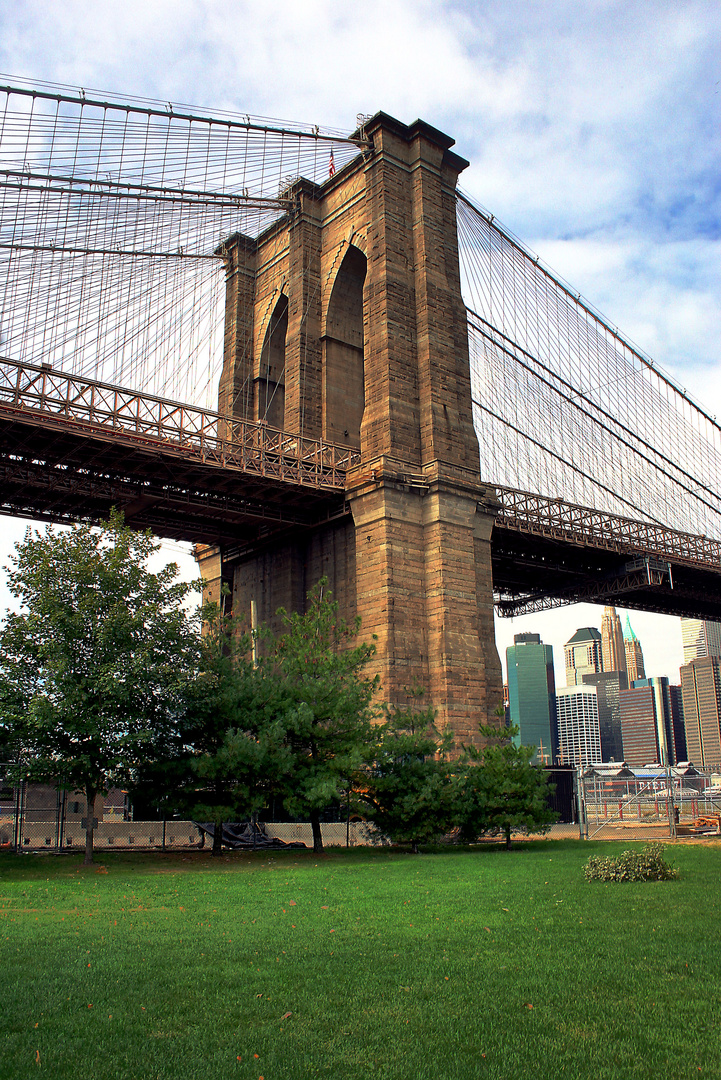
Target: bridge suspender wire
x=609 y=424
x=115 y=217
x=566 y=463
x=583 y=305
x=565 y=406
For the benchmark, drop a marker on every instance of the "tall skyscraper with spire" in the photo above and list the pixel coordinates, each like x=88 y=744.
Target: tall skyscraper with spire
x=612 y=644
x=634 y=654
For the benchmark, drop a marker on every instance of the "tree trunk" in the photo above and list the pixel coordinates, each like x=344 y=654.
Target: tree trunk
x=90 y=794
x=217 y=838
x=317 y=835
x=508 y=837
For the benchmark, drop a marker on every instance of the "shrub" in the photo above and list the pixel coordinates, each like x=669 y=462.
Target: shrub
x=646 y=865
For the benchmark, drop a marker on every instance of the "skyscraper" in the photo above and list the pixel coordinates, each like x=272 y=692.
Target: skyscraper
x=532 y=694
x=647 y=723
x=582 y=653
x=579 y=736
x=609 y=685
x=701 y=692
x=634 y=654
x=679 y=728
x=613 y=652
x=700 y=638
x=638 y=726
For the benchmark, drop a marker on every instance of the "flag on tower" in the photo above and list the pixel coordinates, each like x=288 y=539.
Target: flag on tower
x=331 y=165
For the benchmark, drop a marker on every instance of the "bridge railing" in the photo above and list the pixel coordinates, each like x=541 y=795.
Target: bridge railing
x=58 y=399
x=582 y=525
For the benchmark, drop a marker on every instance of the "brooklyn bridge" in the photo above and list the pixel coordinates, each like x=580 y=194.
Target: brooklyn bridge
x=310 y=353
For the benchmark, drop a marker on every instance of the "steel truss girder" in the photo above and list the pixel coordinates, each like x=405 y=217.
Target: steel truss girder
x=539 y=515
x=52 y=400
x=64 y=494
x=589 y=592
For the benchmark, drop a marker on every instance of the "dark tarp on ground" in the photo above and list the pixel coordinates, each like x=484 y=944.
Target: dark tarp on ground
x=246 y=834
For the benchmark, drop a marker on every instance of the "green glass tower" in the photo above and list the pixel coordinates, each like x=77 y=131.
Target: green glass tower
x=532 y=694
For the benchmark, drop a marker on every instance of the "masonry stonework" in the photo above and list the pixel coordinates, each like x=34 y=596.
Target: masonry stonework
x=374 y=353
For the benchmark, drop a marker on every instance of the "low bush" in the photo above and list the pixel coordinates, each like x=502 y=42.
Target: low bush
x=646 y=865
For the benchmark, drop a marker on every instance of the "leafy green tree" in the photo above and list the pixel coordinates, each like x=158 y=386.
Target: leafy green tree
x=227 y=748
x=409 y=792
x=498 y=789
x=326 y=707
x=93 y=666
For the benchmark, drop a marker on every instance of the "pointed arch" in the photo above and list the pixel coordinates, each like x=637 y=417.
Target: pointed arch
x=343 y=368
x=270 y=383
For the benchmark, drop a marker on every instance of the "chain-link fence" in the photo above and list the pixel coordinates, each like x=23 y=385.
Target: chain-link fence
x=42 y=817
x=602 y=802
x=656 y=802
x=36 y=817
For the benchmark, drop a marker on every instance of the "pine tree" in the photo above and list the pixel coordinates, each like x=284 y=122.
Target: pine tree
x=499 y=790
x=409 y=791
x=326 y=708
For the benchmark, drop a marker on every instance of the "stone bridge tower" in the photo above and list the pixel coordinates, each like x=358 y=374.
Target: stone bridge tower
x=344 y=321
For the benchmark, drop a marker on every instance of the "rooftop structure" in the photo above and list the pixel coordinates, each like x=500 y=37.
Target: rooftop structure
x=582 y=654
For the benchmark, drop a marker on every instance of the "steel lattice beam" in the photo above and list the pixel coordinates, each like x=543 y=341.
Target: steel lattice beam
x=539 y=515
x=55 y=401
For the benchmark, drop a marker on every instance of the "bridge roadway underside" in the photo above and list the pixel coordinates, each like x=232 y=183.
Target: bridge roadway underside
x=534 y=572
x=51 y=474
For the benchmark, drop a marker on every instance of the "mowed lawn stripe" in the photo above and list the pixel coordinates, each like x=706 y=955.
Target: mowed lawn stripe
x=462 y=963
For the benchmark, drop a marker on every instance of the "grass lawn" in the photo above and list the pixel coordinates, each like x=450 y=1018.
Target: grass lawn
x=466 y=963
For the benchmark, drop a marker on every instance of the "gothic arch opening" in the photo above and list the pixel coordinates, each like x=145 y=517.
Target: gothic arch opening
x=343 y=377
x=270 y=383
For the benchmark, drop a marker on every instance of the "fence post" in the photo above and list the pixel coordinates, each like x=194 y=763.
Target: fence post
x=61 y=821
x=669 y=804
x=19 y=797
x=580 y=803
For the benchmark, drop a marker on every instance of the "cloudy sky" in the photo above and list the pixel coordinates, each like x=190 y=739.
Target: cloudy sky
x=592 y=130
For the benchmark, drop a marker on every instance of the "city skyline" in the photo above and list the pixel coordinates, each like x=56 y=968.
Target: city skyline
x=660 y=635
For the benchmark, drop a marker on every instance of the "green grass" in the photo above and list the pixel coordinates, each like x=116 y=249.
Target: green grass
x=392 y=965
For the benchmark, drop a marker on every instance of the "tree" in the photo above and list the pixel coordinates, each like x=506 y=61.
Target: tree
x=326 y=706
x=227 y=748
x=499 y=790
x=92 y=668
x=409 y=790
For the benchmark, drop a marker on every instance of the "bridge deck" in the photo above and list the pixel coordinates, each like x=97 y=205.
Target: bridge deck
x=72 y=448
x=547 y=552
